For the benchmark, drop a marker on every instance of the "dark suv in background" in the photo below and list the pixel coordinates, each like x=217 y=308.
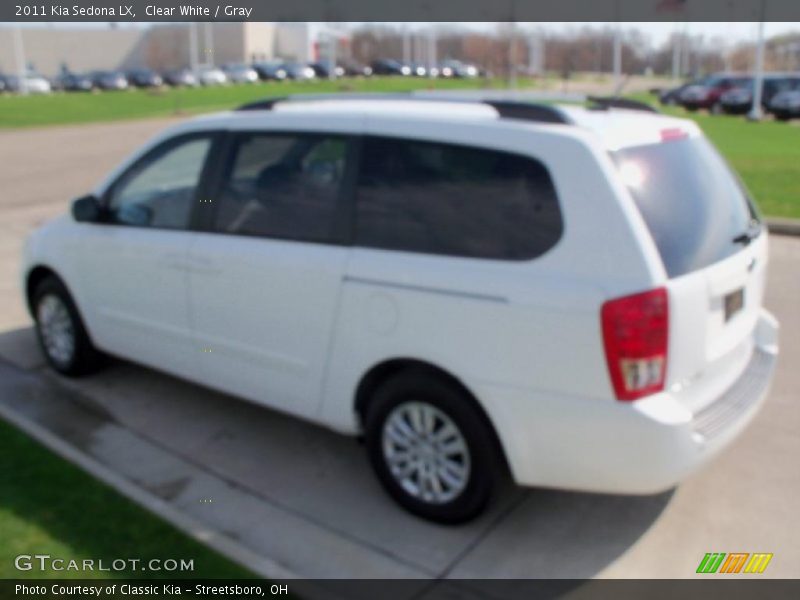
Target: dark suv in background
x=706 y=95
x=144 y=78
x=785 y=105
x=739 y=100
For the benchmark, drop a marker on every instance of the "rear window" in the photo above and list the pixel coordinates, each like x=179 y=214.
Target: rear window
x=692 y=202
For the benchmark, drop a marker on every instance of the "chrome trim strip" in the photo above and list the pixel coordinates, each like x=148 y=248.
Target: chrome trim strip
x=426 y=289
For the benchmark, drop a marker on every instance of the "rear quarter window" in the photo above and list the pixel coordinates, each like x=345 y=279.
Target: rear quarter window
x=454 y=200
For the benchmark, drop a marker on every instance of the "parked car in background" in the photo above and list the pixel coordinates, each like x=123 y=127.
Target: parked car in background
x=706 y=95
x=739 y=101
x=299 y=71
x=323 y=69
x=429 y=275
x=2 y=83
x=73 y=82
x=180 y=78
x=785 y=105
x=109 y=80
x=355 y=69
x=211 y=76
x=240 y=73
x=418 y=69
x=671 y=96
x=270 y=70
x=458 y=69
x=144 y=78
x=388 y=66
x=33 y=83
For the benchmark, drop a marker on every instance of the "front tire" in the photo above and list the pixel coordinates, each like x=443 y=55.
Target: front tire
x=62 y=335
x=431 y=448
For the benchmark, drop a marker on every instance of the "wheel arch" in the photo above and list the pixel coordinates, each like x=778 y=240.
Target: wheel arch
x=35 y=276
x=383 y=371
x=39 y=273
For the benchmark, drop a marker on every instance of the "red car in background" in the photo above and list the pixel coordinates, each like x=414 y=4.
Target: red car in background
x=706 y=95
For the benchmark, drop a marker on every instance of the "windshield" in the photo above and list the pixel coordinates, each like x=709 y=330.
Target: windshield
x=692 y=202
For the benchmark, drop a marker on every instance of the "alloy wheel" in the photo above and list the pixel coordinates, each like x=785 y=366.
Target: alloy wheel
x=426 y=452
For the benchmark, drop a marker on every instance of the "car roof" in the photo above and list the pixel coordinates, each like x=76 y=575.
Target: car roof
x=614 y=128
x=620 y=128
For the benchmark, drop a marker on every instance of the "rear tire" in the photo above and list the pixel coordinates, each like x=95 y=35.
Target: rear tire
x=431 y=448
x=62 y=336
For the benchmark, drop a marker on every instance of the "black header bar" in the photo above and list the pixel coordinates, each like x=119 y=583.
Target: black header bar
x=399 y=10
x=705 y=588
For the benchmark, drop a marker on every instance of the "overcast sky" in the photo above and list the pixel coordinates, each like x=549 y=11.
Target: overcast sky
x=658 y=32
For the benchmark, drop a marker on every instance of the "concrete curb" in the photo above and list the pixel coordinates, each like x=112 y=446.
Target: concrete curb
x=782 y=226
x=223 y=544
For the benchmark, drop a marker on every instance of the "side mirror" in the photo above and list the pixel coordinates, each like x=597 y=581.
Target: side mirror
x=86 y=209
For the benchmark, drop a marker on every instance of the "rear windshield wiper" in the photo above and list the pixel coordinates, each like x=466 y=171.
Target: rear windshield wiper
x=748 y=236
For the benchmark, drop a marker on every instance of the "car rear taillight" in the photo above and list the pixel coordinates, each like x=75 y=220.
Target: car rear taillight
x=635 y=335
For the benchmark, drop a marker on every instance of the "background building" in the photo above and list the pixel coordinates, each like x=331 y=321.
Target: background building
x=165 y=46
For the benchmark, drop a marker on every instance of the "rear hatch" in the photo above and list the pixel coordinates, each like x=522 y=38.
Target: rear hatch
x=712 y=244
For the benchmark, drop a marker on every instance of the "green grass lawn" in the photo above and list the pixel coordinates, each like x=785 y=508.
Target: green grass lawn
x=766 y=154
x=49 y=506
x=65 y=108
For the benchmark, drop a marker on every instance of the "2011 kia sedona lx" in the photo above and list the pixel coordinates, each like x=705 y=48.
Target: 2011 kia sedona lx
x=576 y=292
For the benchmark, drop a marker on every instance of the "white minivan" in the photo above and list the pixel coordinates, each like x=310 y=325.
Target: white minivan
x=572 y=293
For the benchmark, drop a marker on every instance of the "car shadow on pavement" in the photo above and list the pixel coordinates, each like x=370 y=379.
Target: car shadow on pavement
x=322 y=480
x=556 y=534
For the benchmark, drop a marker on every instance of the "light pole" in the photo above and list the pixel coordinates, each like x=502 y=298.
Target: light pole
x=512 y=55
x=406 y=44
x=19 y=55
x=535 y=54
x=617 y=51
x=676 y=56
x=756 y=114
x=333 y=41
x=193 y=47
x=617 y=60
x=432 y=58
x=209 y=42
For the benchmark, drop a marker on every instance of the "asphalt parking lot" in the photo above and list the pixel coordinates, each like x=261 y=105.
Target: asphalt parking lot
x=291 y=498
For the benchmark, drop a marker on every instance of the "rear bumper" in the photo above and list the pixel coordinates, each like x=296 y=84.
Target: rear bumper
x=636 y=448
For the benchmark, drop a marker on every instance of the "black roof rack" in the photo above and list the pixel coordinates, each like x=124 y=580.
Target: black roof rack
x=507 y=109
x=266 y=104
x=527 y=111
x=606 y=102
x=269 y=103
